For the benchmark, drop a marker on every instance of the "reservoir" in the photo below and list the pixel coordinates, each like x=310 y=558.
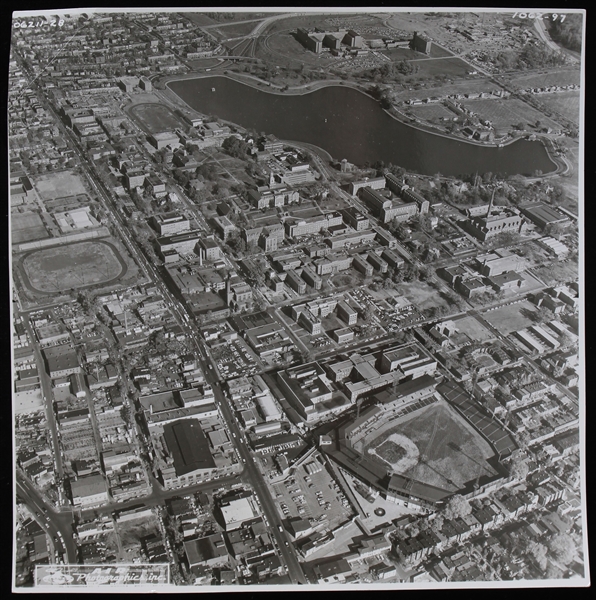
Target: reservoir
x=349 y=124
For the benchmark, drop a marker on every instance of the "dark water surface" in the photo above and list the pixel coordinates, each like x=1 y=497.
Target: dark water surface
x=349 y=124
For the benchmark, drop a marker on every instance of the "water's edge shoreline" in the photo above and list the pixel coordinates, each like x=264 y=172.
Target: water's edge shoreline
x=254 y=83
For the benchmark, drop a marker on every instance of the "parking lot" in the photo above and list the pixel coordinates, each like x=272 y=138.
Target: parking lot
x=235 y=359
x=314 y=495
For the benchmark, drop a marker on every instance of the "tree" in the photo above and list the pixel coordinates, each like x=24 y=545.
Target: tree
x=235 y=147
x=437 y=523
x=84 y=300
x=538 y=551
x=519 y=469
x=457 y=506
x=553 y=572
x=207 y=170
x=125 y=413
x=411 y=273
x=367 y=313
x=562 y=547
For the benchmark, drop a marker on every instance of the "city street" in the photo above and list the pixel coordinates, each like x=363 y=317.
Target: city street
x=55 y=523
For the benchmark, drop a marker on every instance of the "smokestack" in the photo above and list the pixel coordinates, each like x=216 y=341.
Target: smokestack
x=490 y=206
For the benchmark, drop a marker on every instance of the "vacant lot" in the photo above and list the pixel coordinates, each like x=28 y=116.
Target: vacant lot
x=514 y=317
x=58 y=185
x=438 y=448
x=131 y=533
x=73 y=266
x=421 y=295
x=27 y=402
x=564 y=103
x=505 y=114
x=558 y=272
x=473 y=329
x=155 y=118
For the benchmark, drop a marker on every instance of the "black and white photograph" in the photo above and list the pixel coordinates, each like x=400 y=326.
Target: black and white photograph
x=297 y=299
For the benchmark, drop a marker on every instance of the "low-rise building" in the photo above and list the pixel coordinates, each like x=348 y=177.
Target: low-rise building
x=375 y=183
x=89 y=491
x=297 y=227
x=207 y=551
x=170 y=223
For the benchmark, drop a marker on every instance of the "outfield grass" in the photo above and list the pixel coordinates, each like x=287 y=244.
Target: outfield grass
x=451 y=452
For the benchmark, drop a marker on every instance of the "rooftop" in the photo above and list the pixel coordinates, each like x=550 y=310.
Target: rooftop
x=188 y=446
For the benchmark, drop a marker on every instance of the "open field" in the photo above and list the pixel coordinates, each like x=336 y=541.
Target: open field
x=450 y=67
x=564 y=103
x=411 y=22
x=69 y=267
x=421 y=295
x=27 y=226
x=200 y=19
x=132 y=532
x=433 y=445
x=473 y=329
x=507 y=319
x=558 y=272
x=155 y=118
x=58 y=184
x=426 y=89
x=65 y=203
x=203 y=63
x=232 y=30
x=504 y=114
x=430 y=112
x=547 y=78
x=283 y=46
x=331 y=20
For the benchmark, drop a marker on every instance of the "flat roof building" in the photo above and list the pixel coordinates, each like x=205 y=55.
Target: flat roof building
x=375 y=183
x=188 y=447
x=237 y=511
x=209 y=551
x=89 y=491
x=543 y=215
x=170 y=223
x=61 y=361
